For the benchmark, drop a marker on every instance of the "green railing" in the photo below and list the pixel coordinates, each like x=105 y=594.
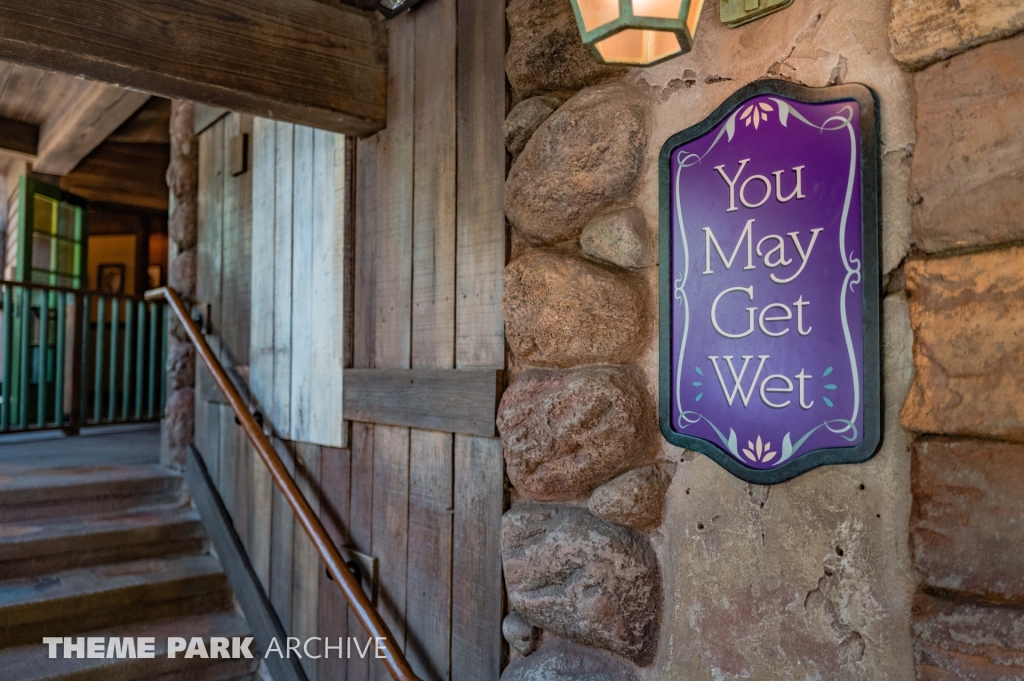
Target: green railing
x=71 y=358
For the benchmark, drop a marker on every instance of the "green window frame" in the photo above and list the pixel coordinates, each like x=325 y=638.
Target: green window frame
x=53 y=231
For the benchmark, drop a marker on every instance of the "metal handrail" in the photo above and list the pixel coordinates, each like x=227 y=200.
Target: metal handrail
x=68 y=289
x=346 y=581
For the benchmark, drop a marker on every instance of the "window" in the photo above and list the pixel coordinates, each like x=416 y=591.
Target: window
x=51 y=236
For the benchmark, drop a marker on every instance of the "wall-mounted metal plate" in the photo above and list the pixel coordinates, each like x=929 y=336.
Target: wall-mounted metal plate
x=392 y=8
x=738 y=12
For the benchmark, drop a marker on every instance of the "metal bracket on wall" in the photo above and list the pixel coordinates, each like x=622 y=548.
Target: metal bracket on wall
x=392 y=8
x=365 y=568
x=738 y=12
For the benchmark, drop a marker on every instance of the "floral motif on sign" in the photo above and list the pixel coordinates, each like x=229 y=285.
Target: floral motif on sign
x=756 y=113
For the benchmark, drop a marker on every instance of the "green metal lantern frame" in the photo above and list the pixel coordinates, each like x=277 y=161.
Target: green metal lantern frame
x=628 y=20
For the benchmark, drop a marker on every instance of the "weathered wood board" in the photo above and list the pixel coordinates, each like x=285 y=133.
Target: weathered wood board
x=448 y=400
x=317 y=65
x=297 y=281
x=421 y=489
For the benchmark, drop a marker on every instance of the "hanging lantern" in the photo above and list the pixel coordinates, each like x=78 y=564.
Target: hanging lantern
x=637 y=32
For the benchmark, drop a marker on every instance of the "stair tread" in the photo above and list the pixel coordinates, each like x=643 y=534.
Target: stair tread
x=31 y=662
x=28 y=492
x=15 y=477
x=39 y=599
x=28 y=486
x=32 y=538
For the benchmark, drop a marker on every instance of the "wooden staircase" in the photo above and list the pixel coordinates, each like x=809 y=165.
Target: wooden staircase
x=108 y=551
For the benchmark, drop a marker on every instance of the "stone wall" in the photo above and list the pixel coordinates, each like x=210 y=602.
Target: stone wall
x=581 y=447
x=965 y=284
x=183 y=182
x=627 y=558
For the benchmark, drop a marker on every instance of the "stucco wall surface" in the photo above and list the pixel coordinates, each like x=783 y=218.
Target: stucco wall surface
x=810 y=579
x=846 y=572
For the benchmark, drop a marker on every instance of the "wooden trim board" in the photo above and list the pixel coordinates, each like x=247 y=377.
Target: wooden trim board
x=295 y=60
x=447 y=400
x=206 y=116
x=256 y=607
x=19 y=139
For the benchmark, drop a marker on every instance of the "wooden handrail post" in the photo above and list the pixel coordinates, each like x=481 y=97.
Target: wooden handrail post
x=368 y=616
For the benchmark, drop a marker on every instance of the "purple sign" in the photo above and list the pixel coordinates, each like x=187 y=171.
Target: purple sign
x=770 y=330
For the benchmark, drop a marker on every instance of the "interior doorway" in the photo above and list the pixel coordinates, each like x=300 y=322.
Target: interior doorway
x=83 y=219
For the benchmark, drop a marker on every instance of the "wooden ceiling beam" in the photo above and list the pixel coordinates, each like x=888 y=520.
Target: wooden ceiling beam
x=19 y=139
x=293 y=60
x=72 y=132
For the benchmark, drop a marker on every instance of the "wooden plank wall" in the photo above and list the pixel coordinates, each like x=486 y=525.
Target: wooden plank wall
x=270 y=268
x=427 y=249
x=429 y=258
x=297 y=281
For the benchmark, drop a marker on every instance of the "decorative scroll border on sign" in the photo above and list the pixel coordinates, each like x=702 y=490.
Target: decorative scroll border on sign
x=865 y=273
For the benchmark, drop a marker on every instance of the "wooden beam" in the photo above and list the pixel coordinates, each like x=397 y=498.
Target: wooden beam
x=72 y=132
x=292 y=60
x=128 y=174
x=447 y=400
x=19 y=139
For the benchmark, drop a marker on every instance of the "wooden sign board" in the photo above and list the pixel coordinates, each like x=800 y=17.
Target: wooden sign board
x=770 y=284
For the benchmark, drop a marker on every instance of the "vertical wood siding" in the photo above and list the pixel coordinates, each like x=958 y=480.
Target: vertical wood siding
x=427 y=243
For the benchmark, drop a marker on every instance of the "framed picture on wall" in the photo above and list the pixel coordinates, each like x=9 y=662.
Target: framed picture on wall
x=110 y=279
x=155 y=274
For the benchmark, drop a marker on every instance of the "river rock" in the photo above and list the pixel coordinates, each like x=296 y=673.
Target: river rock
x=178 y=427
x=545 y=51
x=562 y=660
x=181 y=363
x=524 y=120
x=519 y=633
x=182 y=274
x=561 y=311
x=579 y=577
x=565 y=433
x=586 y=157
x=619 y=238
x=635 y=498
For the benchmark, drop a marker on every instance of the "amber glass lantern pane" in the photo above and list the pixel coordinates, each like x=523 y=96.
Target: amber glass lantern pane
x=693 y=16
x=638 y=46
x=597 y=13
x=660 y=9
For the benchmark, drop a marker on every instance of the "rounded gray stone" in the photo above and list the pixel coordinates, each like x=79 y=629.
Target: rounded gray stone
x=562 y=310
x=562 y=660
x=619 y=238
x=519 y=633
x=582 y=578
x=585 y=158
x=545 y=53
x=565 y=433
x=524 y=119
x=635 y=499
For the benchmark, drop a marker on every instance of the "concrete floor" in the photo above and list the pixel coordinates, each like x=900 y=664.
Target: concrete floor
x=138 y=445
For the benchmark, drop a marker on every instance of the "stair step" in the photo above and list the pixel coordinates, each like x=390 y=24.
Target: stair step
x=30 y=493
x=39 y=547
x=32 y=663
x=69 y=602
